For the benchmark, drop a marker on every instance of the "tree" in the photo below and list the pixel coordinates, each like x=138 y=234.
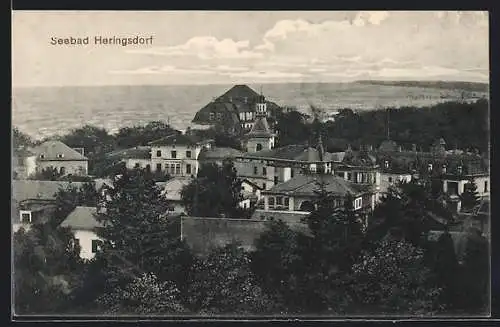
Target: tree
x=141 y=135
x=280 y=263
x=224 y=283
x=392 y=279
x=20 y=139
x=67 y=199
x=215 y=192
x=470 y=197
x=46 y=269
x=47 y=174
x=146 y=294
x=137 y=236
x=94 y=140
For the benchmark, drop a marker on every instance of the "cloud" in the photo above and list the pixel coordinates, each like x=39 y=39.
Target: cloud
x=378 y=43
x=205 y=47
x=162 y=70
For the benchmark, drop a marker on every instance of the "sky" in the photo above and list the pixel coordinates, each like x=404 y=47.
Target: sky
x=203 y=47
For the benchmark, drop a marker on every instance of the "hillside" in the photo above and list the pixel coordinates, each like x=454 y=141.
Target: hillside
x=446 y=85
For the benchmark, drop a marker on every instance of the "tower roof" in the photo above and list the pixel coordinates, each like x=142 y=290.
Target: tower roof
x=260 y=128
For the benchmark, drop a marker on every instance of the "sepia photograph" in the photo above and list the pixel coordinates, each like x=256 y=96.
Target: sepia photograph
x=250 y=164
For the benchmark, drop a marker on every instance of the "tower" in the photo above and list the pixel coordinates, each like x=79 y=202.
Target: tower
x=260 y=136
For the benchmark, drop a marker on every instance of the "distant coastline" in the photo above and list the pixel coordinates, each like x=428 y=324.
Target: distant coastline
x=445 y=85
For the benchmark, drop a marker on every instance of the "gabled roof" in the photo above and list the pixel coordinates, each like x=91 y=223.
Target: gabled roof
x=40 y=190
x=215 y=153
x=56 y=150
x=82 y=218
x=359 y=158
x=249 y=182
x=138 y=152
x=180 y=139
x=306 y=185
x=260 y=128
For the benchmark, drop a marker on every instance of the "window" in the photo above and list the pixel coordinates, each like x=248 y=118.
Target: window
x=137 y=165
x=96 y=245
x=62 y=170
x=459 y=170
x=60 y=155
x=287 y=202
x=148 y=167
x=158 y=167
x=178 y=169
x=172 y=169
x=20 y=161
x=452 y=188
x=188 y=154
x=291 y=172
x=173 y=154
x=42 y=156
x=276 y=180
x=357 y=204
x=255 y=170
x=444 y=169
x=259 y=147
x=25 y=217
x=390 y=179
x=349 y=176
x=485 y=186
x=219 y=115
x=429 y=167
x=158 y=153
x=386 y=164
x=188 y=169
x=212 y=115
x=264 y=171
x=279 y=200
x=264 y=186
x=271 y=201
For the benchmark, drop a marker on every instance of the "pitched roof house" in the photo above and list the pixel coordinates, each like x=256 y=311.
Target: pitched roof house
x=58 y=155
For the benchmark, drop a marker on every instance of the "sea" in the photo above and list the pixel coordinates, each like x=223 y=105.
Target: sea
x=48 y=111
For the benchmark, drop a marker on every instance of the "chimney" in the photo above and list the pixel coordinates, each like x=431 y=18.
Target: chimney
x=400 y=148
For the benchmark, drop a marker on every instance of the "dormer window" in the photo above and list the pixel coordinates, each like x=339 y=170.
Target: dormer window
x=60 y=155
x=212 y=116
x=386 y=164
x=459 y=170
x=444 y=169
x=25 y=216
x=429 y=167
x=42 y=156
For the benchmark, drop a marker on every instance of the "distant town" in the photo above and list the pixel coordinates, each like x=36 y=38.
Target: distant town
x=249 y=173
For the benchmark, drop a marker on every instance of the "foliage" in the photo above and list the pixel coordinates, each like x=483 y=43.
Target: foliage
x=67 y=199
x=224 y=283
x=137 y=235
x=392 y=279
x=46 y=269
x=292 y=128
x=470 y=196
x=20 y=139
x=128 y=137
x=144 y=295
x=215 y=192
x=94 y=140
x=47 y=174
x=221 y=138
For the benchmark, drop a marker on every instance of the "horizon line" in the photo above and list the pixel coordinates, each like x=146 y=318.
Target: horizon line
x=256 y=82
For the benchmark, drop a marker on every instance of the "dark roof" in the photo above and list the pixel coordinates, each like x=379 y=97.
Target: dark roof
x=240 y=98
x=138 y=152
x=307 y=185
x=388 y=145
x=179 y=139
x=359 y=158
x=296 y=152
x=40 y=190
x=82 y=218
x=52 y=150
x=215 y=153
x=260 y=128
